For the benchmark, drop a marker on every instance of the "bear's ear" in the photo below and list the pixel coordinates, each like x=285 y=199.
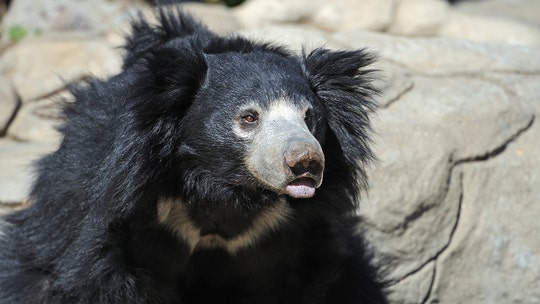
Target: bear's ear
x=168 y=78
x=171 y=24
x=345 y=87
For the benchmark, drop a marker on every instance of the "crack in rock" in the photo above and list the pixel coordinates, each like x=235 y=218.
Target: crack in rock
x=500 y=149
x=395 y=99
x=10 y=120
x=484 y=157
x=432 y=281
x=438 y=253
x=450 y=238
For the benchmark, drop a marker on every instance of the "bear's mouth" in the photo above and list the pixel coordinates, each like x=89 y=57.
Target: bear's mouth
x=302 y=187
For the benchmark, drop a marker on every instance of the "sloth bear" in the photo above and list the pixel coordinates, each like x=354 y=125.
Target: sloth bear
x=196 y=176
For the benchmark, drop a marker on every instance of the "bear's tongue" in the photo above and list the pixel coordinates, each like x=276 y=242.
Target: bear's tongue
x=301 y=188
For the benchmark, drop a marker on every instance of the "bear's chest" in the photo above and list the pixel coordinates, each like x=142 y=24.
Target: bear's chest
x=214 y=276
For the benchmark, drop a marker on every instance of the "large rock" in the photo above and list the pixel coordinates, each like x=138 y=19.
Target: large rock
x=493 y=256
x=41 y=66
x=414 y=195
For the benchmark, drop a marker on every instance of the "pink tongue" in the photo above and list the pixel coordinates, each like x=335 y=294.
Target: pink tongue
x=301 y=188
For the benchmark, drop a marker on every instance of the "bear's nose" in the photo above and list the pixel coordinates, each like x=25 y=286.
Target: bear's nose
x=304 y=157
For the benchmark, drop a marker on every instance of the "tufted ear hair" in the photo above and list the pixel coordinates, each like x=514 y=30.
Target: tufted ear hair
x=345 y=87
x=171 y=24
x=170 y=77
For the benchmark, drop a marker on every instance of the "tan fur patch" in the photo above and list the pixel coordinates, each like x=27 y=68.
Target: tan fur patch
x=174 y=215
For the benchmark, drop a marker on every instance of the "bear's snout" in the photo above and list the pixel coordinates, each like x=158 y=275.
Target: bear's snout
x=284 y=155
x=304 y=158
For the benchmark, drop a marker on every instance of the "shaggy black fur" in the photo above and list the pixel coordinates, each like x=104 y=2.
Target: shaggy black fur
x=161 y=129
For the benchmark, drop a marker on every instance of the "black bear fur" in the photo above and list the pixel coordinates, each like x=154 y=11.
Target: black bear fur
x=158 y=130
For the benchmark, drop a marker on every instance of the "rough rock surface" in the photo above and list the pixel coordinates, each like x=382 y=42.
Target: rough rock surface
x=38 y=120
x=429 y=18
x=61 y=59
x=462 y=25
x=453 y=209
x=62 y=16
x=419 y=17
x=331 y=15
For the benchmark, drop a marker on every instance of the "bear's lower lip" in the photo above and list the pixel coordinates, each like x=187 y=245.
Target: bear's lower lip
x=303 y=187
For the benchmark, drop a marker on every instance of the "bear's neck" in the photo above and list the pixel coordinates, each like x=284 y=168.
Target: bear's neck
x=227 y=226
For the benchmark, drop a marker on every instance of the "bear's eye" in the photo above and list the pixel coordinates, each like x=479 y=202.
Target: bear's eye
x=250 y=118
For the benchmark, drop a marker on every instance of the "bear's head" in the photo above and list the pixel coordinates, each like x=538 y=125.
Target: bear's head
x=256 y=122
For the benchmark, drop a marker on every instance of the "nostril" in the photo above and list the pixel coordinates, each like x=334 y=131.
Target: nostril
x=313 y=167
